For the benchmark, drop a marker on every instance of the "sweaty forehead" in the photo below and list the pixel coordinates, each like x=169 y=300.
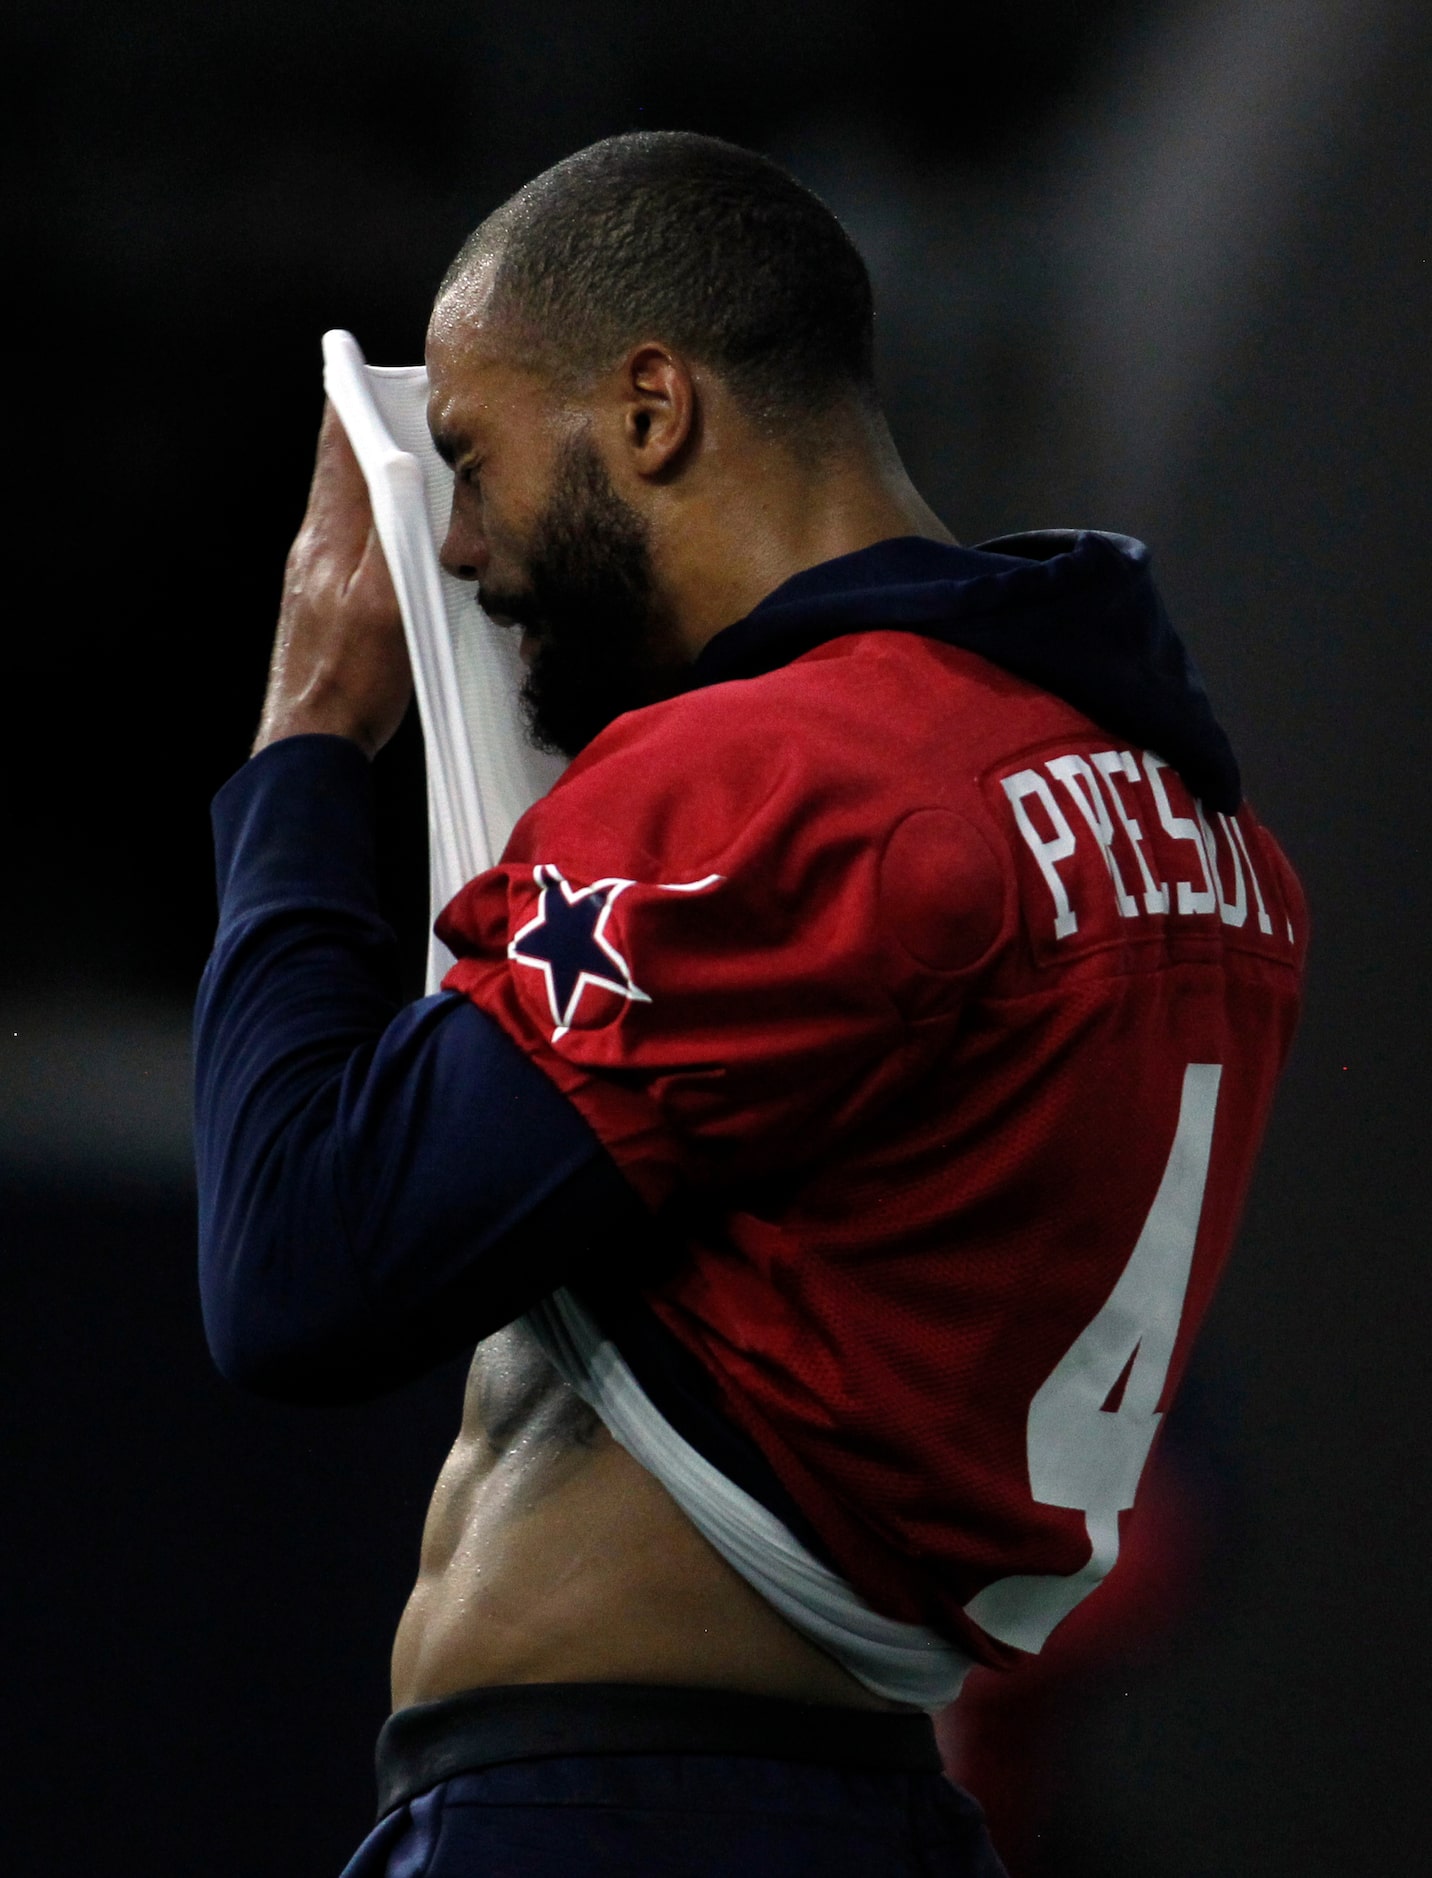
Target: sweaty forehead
x=477 y=377
x=463 y=310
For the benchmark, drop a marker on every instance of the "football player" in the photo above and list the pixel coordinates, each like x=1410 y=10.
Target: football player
x=834 y=1124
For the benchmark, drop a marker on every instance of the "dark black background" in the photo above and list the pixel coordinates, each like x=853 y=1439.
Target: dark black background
x=1161 y=268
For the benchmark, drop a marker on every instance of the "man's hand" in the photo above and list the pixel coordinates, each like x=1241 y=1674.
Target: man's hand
x=339 y=661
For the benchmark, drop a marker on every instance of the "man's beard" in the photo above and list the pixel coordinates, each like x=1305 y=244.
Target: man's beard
x=603 y=643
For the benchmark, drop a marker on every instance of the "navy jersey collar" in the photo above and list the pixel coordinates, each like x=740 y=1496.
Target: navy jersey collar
x=1074 y=611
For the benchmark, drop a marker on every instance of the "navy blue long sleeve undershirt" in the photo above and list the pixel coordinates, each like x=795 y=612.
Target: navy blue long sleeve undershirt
x=379 y=1186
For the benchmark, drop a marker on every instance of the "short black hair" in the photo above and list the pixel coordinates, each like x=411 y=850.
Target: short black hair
x=716 y=250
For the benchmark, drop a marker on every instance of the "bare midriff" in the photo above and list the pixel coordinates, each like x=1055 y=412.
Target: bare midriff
x=550 y=1555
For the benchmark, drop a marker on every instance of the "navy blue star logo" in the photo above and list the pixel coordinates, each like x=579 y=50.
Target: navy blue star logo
x=567 y=942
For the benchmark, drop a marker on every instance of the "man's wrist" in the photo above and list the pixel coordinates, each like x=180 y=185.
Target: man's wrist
x=295 y=823
x=309 y=721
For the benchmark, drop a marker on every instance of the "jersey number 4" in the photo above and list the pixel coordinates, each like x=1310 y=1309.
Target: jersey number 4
x=1082 y=1454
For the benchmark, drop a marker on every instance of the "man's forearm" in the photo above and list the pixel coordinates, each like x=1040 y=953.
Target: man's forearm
x=378 y=1186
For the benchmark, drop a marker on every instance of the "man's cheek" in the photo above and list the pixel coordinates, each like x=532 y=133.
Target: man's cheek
x=506 y=590
x=508 y=560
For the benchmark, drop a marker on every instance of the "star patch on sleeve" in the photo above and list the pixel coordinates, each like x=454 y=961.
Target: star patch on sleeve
x=569 y=944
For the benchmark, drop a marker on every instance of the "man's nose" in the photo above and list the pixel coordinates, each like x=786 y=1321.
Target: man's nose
x=464 y=552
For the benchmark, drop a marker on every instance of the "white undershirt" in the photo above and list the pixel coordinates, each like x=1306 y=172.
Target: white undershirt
x=902 y=1662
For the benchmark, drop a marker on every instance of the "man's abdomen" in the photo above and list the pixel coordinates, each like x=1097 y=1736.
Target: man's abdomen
x=550 y=1555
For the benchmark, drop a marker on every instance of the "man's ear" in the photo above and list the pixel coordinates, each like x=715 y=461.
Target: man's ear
x=660 y=410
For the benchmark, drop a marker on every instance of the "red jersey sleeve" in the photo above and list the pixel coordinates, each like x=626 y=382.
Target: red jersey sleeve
x=726 y=964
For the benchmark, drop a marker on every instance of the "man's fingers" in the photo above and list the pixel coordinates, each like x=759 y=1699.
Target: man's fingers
x=371 y=581
x=338 y=497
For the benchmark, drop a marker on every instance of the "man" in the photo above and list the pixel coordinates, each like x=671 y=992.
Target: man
x=844 y=1094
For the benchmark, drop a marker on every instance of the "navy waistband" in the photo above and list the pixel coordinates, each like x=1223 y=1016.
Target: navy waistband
x=432 y=1741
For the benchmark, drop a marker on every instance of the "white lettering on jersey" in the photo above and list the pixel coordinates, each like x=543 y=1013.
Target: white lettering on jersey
x=1082 y=1454
x=1264 y=923
x=1095 y=784
x=1232 y=912
x=1078 y=779
x=1182 y=828
x=1029 y=782
x=1121 y=762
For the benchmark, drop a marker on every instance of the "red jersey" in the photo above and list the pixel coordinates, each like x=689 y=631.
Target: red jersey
x=965 y=1018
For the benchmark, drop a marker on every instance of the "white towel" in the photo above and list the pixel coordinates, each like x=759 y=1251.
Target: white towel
x=482 y=771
